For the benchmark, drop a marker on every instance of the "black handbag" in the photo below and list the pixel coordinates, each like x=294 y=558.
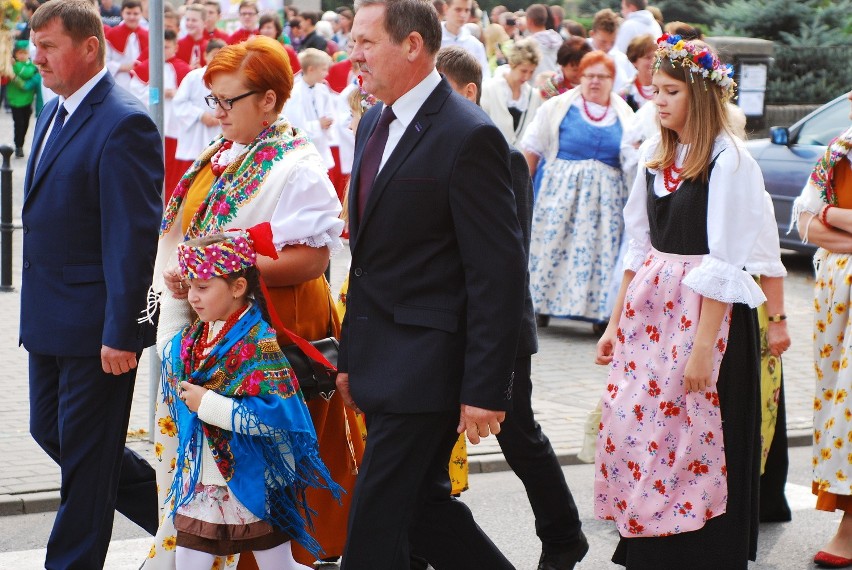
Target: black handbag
x=313 y=362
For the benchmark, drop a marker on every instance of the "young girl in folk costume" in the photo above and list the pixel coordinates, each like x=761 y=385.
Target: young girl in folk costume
x=247 y=448
x=677 y=455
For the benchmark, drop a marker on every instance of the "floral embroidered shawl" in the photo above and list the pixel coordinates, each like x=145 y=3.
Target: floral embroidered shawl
x=822 y=175
x=270 y=456
x=238 y=184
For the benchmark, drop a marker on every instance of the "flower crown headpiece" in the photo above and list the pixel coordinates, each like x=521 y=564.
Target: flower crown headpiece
x=238 y=250
x=697 y=59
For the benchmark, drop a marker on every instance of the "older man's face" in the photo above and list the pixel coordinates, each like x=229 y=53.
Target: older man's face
x=382 y=62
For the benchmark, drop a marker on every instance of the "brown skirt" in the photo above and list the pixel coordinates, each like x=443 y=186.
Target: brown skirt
x=225 y=539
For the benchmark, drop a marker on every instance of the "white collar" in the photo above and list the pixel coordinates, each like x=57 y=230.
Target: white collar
x=74 y=100
x=409 y=103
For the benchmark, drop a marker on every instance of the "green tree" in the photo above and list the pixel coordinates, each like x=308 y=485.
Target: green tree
x=820 y=22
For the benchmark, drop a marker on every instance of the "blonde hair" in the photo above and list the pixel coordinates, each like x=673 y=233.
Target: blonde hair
x=493 y=35
x=706 y=118
x=312 y=57
x=524 y=51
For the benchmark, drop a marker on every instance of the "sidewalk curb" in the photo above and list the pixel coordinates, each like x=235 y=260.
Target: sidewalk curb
x=48 y=501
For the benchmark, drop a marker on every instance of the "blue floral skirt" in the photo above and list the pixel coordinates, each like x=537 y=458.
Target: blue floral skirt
x=577 y=231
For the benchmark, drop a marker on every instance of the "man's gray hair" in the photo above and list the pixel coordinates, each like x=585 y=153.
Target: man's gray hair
x=405 y=16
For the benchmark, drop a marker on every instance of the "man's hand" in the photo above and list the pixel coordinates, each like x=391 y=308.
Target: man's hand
x=479 y=422
x=325 y=122
x=116 y=361
x=343 y=388
x=191 y=395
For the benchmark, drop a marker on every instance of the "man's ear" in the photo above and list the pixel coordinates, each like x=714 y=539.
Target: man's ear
x=469 y=92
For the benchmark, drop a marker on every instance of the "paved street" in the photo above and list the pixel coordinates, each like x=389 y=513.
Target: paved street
x=567 y=385
x=501 y=508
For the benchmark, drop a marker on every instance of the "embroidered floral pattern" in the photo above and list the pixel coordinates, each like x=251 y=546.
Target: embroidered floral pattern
x=238 y=184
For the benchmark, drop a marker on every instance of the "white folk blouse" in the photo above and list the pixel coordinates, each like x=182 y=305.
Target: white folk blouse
x=736 y=209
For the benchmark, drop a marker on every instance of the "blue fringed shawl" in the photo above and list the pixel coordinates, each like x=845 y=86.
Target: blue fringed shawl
x=270 y=456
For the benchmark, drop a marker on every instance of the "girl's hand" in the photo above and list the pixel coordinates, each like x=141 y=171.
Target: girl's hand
x=699 y=369
x=178 y=288
x=191 y=395
x=606 y=346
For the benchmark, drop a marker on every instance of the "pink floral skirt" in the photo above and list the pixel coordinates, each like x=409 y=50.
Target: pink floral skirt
x=660 y=458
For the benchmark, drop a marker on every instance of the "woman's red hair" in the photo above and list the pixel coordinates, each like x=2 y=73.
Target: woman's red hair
x=596 y=57
x=262 y=63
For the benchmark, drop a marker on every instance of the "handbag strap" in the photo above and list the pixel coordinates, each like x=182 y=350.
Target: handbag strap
x=304 y=345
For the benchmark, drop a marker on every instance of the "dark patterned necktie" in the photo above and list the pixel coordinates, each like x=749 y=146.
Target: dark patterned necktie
x=372 y=158
x=61 y=113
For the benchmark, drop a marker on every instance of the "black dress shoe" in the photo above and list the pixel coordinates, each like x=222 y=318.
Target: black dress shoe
x=566 y=559
x=19 y=151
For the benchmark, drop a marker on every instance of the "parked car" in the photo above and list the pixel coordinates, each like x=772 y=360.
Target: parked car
x=788 y=156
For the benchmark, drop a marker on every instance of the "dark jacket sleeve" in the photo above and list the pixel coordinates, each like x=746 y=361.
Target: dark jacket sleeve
x=492 y=251
x=131 y=209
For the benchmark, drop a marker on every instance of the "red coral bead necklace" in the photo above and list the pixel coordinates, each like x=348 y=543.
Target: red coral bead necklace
x=201 y=345
x=217 y=168
x=589 y=113
x=671 y=177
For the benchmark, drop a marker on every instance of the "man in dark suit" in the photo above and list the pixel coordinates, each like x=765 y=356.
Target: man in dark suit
x=524 y=445
x=435 y=295
x=90 y=218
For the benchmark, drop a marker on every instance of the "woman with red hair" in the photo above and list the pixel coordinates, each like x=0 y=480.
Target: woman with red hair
x=577 y=223
x=261 y=169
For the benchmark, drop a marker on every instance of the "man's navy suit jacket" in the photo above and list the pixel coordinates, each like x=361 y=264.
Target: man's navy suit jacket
x=91 y=215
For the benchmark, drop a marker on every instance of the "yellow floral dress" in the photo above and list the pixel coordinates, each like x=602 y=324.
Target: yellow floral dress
x=832 y=447
x=458 y=460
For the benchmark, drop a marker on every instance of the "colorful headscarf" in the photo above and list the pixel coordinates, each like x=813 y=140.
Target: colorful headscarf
x=698 y=59
x=235 y=251
x=822 y=175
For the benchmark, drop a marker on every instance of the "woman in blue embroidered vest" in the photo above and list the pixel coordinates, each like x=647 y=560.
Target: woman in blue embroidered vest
x=677 y=460
x=260 y=170
x=577 y=223
x=247 y=448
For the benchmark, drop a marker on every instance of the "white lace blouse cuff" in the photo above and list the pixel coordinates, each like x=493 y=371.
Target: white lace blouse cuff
x=324 y=239
x=635 y=256
x=723 y=282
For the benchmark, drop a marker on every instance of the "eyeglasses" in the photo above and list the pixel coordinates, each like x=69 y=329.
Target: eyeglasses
x=246 y=14
x=226 y=104
x=593 y=76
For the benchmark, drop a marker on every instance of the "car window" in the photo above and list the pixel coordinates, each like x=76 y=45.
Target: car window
x=825 y=125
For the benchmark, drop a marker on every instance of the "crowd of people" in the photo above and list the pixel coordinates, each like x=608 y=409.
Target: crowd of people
x=519 y=165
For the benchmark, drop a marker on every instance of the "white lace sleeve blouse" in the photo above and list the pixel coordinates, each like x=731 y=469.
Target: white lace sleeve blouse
x=308 y=209
x=765 y=258
x=735 y=216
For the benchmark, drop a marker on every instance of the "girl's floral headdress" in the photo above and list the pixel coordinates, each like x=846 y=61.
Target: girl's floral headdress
x=698 y=59
x=238 y=250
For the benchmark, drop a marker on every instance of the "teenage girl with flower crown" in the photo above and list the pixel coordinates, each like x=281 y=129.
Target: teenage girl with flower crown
x=247 y=448
x=677 y=455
